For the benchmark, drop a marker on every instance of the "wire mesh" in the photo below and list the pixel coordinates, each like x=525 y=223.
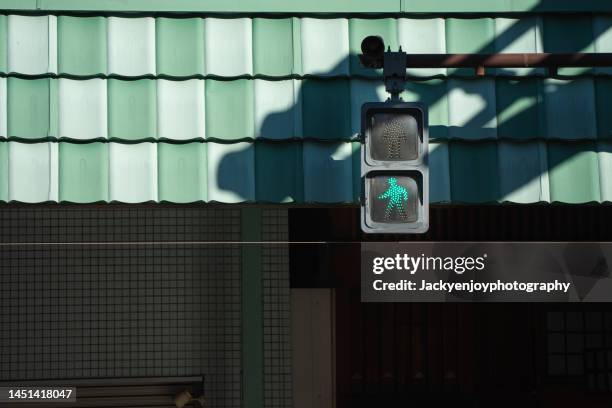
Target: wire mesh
x=276 y=309
x=117 y=292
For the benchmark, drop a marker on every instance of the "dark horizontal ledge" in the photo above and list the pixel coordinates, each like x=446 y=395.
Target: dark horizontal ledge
x=313 y=6
x=262 y=140
x=374 y=76
x=533 y=60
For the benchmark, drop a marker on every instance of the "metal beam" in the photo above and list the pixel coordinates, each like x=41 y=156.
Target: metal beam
x=533 y=60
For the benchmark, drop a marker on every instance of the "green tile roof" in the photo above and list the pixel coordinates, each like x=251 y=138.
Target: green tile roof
x=313 y=6
x=253 y=109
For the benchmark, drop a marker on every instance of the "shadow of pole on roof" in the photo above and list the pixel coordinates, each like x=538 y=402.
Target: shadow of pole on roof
x=326 y=116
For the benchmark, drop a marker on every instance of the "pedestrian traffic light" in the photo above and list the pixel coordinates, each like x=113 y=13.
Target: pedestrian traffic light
x=394 y=172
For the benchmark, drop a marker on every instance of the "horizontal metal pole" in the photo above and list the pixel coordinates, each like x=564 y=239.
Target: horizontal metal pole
x=104 y=382
x=534 y=60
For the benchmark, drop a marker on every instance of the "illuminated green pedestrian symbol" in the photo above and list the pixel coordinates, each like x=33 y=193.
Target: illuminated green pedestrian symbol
x=396 y=195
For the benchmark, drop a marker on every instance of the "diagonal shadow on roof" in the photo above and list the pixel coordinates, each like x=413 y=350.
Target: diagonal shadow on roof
x=479 y=152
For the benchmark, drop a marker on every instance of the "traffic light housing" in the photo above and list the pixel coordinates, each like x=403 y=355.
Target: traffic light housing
x=394 y=169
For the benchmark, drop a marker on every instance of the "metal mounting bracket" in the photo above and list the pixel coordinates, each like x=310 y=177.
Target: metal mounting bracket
x=394 y=71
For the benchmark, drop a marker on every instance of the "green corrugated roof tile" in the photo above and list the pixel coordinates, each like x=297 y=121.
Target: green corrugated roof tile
x=228 y=45
x=474 y=172
x=28 y=108
x=471 y=106
x=272 y=46
x=439 y=173
x=82 y=109
x=519 y=108
x=276 y=113
x=602 y=32
x=603 y=92
x=469 y=36
x=518 y=35
x=573 y=172
x=182 y=172
x=520 y=169
x=278 y=172
x=132 y=109
x=229 y=109
x=180 y=109
x=324 y=46
x=133 y=172
x=231 y=175
x=423 y=36
x=362 y=91
x=3 y=43
x=31 y=44
x=32 y=172
x=434 y=95
x=194 y=109
x=233 y=47
x=605 y=169
x=3 y=109
x=81 y=45
x=83 y=172
x=179 y=46
x=296 y=171
x=131 y=46
x=328 y=172
x=326 y=111
x=570 y=109
x=556 y=39
x=4 y=175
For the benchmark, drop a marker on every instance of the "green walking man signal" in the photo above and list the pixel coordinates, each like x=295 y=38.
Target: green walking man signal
x=396 y=195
